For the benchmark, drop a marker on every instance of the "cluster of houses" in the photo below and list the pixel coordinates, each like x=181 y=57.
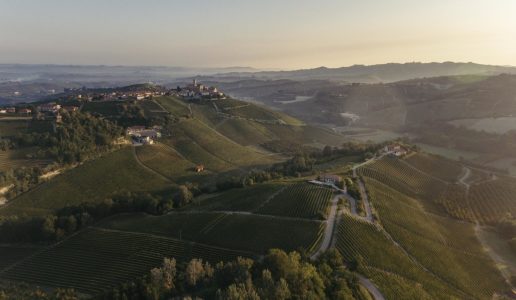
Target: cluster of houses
x=396 y=150
x=197 y=91
x=45 y=108
x=15 y=110
x=142 y=135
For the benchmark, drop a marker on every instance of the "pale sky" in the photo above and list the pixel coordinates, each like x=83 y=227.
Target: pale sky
x=283 y=34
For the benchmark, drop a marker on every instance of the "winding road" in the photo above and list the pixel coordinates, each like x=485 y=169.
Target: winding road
x=329 y=229
x=331 y=224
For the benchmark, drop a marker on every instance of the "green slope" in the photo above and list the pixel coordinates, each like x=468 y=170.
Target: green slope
x=93 y=181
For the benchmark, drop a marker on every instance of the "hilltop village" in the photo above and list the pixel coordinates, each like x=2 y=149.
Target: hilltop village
x=71 y=99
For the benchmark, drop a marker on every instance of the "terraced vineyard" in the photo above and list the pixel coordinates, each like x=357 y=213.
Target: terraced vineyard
x=96 y=259
x=245 y=232
x=446 y=247
x=439 y=167
x=400 y=176
x=301 y=201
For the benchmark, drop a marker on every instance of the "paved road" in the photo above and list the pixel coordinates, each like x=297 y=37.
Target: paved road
x=365 y=199
x=377 y=295
x=330 y=228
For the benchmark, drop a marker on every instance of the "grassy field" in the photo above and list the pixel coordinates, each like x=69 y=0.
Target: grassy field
x=91 y=182
x=446 y=247
x=250 y=233
x=97 y=259
x=244 y=199
x=301 y=201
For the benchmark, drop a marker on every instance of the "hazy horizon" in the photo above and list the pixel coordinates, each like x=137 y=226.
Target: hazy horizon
x=286 y=35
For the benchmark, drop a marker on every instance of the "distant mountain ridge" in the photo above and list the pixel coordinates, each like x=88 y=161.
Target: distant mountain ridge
x=390 y=72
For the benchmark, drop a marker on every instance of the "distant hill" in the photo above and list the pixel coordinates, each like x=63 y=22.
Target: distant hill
x=376 y=73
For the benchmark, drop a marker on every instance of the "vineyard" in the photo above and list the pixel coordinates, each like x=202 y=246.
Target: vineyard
x=436 y=166
x=492 y=200
x=245 y=199
x=374 y=252
x=12 y=254
x=446 y=247
x=301 y=201
x=164 y=160
x=90 y=182
x=96 y=259
x=245 y=232
x=455 y=202
x=403 y=178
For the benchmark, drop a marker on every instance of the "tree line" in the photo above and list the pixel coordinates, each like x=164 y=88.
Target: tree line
x=279 y=275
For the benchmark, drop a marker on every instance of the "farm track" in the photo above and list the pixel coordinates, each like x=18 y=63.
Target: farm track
x=244 y=213
x=168 y=238
x=141 y=164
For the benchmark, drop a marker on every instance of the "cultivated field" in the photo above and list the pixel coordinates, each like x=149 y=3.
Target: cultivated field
x=93 y=181
x=301 y=201
x=365 y=243
x=10 y=254
x=97 y=259
x=492 y=200
x=439 y=167
x=404 y=178
x=245 y=232
x=446 y=247
x=243 y=199
x=166 y=161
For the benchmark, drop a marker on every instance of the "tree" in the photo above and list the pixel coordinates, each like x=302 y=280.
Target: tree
x=169 y=273
x=239 y=291
x=194 y=272
x=183 y=197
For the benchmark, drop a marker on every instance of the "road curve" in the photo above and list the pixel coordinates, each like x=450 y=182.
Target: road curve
x=330 y=228
x=373 y=290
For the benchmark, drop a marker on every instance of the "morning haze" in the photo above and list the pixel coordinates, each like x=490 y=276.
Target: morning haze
x=249 y=150
x=264 y=34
